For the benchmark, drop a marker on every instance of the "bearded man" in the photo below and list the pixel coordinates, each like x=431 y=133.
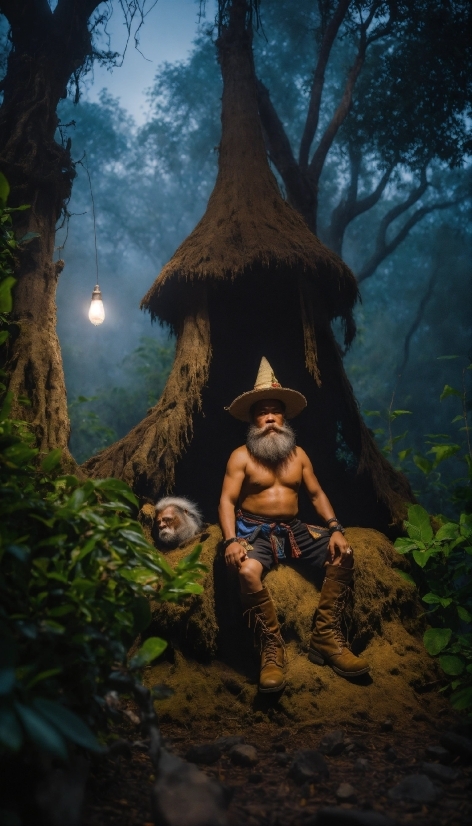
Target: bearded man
x=258 y=517
x=178 y=520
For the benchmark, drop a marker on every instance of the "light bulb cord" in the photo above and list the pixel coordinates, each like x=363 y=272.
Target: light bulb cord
x=85 y=166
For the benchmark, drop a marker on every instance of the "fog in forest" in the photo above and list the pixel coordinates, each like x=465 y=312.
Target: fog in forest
x=152 y=173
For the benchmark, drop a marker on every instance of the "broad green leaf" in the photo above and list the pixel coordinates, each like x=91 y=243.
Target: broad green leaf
x=52 y=460
x=19 y=454
x=6 y=298
x=44 y=675
x=88 y=547
x=405 y=576
x=140 y=575
x=192 y=557
x=11 y=734
x=421 y=557
x=403 y=545
x=462 y=699
x=403 y=454
x=396 y=413
x=45 y=736
x=449 y=391
x=436 y=639
x=152 y=648
x=20 y=552
x=464 y=614
x=466 y=525
x=142 y=614
x=435 y=599
x=371 y=412
x=68 y=723
x=423 y=463
x=451 y=665
x=447 y=531
x=418 y=524
x=443 y=452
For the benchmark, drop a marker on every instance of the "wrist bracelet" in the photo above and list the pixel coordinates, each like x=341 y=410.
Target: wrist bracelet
x=333 y=519
x=336 y=527
x=229 y=541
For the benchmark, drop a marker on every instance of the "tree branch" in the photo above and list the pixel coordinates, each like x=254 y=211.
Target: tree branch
x=299 y=193
x=418 y=317
x=383 y=249
x=312 y=119
x=27 y=11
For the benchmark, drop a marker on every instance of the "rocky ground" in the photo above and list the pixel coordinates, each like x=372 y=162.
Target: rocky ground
x=367 y=774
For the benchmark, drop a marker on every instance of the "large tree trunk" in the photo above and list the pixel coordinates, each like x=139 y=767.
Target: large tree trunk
x=271 y=290
x=47 y=49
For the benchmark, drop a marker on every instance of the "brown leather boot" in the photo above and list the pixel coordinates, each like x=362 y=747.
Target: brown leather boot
x=261 y=615
x=327 y=644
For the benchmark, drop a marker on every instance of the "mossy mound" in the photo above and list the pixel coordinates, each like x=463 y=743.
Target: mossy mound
x=213 y=668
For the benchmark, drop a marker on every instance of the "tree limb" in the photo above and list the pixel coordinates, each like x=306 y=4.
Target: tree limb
x=418 y=317
x=299 y=193
x=312 y=119
x=26 y=11
x=384 y=249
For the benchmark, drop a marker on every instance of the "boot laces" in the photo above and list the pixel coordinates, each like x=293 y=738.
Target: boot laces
x=341 y=636
x=269 y=642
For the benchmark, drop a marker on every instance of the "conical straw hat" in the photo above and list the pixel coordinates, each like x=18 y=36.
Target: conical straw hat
x=267 y=387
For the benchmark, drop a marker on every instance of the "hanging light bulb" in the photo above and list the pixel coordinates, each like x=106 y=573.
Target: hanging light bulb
x=97 y=310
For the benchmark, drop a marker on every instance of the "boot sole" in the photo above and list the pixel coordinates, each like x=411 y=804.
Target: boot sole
x=319 y=660
x=272 y=690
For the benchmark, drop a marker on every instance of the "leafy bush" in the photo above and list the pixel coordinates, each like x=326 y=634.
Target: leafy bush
x=76 y=574
x=442 y=566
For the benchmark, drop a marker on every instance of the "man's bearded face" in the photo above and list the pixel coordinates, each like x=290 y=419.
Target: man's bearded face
x=170 y=526
x=271 y=443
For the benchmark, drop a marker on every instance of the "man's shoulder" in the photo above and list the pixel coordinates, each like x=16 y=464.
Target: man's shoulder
x=300 y=454
x=239 y=456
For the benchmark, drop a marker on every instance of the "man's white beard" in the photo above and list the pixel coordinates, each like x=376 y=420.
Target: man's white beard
x=176 y=536
x=269 y=447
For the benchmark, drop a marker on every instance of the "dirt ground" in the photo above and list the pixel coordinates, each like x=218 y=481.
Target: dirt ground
x=374 y=759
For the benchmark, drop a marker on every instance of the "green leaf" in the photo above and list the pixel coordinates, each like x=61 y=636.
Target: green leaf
x=11 y=734
x=52 y=460
x=446 y=358
x=436 y=639
x=418 y=524
x=423 y=463
x=68 y=723
x=449 y=391
x=396 y=413
x=142 y=614
x=462 y=699
x=448 y=531
x=4 y=190
x=466 y=525
x=405 y=576
x=443 y=452
x=371 y=412
x=44 y=675
x=464 y=614
x=421 y=557
x=403 y=454
x=6 y=299
x=140 y=575
x=451 y=665
x=28 y=237
x=152 y=648
x=403 y=545
x=41 y=732
x=435 y=599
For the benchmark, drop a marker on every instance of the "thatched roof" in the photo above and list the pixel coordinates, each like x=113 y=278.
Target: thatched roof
x=248 y=228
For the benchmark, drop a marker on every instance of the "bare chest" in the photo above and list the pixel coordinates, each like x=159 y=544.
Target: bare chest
x=287 y=474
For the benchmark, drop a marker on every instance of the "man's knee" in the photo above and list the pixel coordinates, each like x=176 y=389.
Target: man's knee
x=250 y=573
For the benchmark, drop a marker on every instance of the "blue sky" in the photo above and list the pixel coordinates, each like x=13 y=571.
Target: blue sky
x=167 y=35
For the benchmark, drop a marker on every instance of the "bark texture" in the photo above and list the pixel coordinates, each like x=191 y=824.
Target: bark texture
x=48 y=47
x=272 y=289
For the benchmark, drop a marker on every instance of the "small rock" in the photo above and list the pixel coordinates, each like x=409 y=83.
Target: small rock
x=346 y=793
x=308 y=765
x=332 y=743
x=439 y=753
x=205 y=754
x=243 y=755
x=227 y=743
x=415 y=787
x=282 y=759
x=255 y=777
x=185 y=796
x=457 y=744
x=439 y=772
x=387 y=725
x=391 y=755
x=336 y=816
x=361 y=764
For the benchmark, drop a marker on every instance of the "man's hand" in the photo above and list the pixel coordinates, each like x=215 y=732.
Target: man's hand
x=338 y=546
x=235 y=555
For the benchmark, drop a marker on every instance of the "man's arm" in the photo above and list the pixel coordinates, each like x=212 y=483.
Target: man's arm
x=322 y=505
x=232 y=484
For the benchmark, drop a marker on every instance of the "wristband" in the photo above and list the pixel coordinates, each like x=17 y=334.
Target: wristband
x=336 y=527
x=229 y=541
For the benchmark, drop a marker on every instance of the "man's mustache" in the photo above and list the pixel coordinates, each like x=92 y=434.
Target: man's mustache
x=268 y=428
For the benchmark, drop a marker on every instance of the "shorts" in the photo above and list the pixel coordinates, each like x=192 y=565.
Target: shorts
x=312 y=542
